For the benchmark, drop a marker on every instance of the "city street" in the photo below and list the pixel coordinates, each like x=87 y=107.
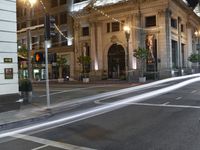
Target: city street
x=168 y=122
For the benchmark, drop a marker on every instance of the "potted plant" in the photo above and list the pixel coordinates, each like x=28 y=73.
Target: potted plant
x=62 y=63
x=194 y=59
x=25 y=87
x=85 y=62
x=141 y=54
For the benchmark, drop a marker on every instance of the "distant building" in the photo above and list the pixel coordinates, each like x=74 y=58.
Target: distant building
x=165 y=28
x=8 y=51
x=60 y=46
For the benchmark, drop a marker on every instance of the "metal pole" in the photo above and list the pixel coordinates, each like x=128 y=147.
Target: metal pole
x=29 y=41
x=47 y=74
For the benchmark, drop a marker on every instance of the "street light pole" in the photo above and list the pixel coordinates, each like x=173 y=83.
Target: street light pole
x=29 y=40
x=127 y=34
x=197 y=33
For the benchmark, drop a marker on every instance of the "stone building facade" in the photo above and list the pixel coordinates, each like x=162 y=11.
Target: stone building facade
x=165 y=28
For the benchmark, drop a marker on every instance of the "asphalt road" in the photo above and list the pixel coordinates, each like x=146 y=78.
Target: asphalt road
x=167 y=122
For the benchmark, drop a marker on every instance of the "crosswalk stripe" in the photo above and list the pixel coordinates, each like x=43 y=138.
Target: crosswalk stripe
x=50 y=142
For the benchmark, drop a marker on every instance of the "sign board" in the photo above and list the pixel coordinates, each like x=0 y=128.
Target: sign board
x=8 y=60
x=8 y=73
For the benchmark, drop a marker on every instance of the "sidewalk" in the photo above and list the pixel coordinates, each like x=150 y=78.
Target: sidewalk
x=38 y=111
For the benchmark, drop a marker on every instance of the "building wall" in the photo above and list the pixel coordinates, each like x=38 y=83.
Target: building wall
x=8 y=47
x=134 y=16
x=57 y=47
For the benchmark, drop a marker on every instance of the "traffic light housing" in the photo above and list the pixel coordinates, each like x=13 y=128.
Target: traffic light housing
x=49 y=27
x=38 y=57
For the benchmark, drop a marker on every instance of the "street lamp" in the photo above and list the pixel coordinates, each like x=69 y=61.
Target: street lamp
x=29 y=4
x=127 y=34
x=197 y=34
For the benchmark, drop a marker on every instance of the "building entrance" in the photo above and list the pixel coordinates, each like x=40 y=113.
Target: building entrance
x=116 y=62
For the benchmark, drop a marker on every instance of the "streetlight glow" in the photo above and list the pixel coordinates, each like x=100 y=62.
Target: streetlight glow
x=127 y=29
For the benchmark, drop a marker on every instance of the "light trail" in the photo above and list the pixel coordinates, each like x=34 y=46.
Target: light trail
x=101 y=109
x=123 y=91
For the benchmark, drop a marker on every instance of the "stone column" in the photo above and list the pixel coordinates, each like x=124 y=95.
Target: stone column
x=189 y=42
x=164 y=43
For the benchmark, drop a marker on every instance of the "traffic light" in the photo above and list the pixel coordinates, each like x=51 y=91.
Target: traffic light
x=49 y=27
x=38 y=57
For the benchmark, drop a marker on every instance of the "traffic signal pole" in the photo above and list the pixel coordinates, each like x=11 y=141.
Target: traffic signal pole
x=47 y=73
x=47 y=38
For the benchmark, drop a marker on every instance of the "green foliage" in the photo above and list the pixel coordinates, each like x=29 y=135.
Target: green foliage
x=61 y=61
x=84 y=60
x=141 y=54
x=194 y=58
x=23 y=51
x=25 y=85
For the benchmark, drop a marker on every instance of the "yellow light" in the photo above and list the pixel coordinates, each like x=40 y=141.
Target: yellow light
x=127 y=29
x=32 y=2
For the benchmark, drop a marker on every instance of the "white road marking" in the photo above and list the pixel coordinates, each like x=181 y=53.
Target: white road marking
x=166 y=103
x=194 y=91
x=161 y=105
x=99 y=110
x=37 y=148
x=178 y=98
x=50 y=142
x=72 y=90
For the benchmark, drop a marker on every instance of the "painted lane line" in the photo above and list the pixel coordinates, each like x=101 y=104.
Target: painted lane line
x=50 y=142
x=178 y=98
x=161 y=105
x=165 y=103
x=40 y=147
x=194 y=91
x=99 y=110
x=73 y=90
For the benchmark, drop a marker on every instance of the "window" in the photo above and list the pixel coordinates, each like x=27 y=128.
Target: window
x=85 y=31
x=34 y=42
x=182 y=28
x=108 y=27
x=63 y=18
x=78 y=1
x=150 y=21
x=54 y=3
x=174 y=54
x=115 y=26
x=173 y=23
x=63 y=2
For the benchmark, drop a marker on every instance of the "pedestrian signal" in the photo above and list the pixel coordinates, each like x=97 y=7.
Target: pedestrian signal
x=38 y=57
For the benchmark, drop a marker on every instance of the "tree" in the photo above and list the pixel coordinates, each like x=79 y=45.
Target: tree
x=62 y=63
x=141 y=54
x=85 y=62
x=22 y=52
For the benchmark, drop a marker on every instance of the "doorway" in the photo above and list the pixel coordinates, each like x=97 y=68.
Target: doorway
x=116 y=62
